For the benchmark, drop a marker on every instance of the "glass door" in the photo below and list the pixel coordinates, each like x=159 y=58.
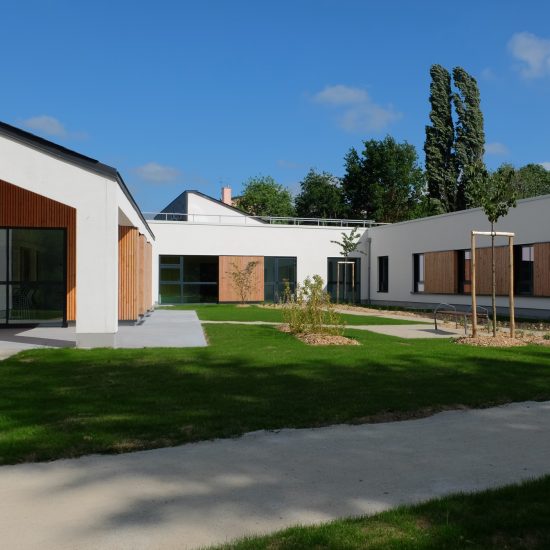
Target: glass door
x=32 y=276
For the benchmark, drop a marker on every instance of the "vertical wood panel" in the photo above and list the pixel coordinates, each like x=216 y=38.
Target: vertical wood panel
x=128 y=273
x=227 y=292
x=440 y=272
x=484 y=271
x=541 y=277
x=22 y=208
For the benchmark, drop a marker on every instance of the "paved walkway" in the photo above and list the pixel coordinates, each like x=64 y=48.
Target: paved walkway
x=210 y=492
x=422 y=330
x=171 y=329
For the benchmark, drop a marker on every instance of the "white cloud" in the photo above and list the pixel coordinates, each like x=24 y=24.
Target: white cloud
x=545 y=165
x=496 y=148
x=157 y=173
x=533 y=52
x=358 y=112
x=47 y=125
x=487 y=74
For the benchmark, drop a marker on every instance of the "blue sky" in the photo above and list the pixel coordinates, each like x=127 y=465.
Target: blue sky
x=193 y=95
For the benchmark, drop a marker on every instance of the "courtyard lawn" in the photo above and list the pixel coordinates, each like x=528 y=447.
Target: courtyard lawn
x=512 y=517
x=232 y=312
x=66 y=402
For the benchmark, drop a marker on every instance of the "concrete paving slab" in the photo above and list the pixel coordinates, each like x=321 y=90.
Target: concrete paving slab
x=158 y=329
x=413 y=331
x=211 y=492
x=163 y=329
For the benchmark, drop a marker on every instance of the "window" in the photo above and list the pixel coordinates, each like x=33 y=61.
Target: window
x=188 y=279
x=523 y=269
x=382 y=274
x=344 y=279
x=464 y=271
x=418 y=269
x=278 y=271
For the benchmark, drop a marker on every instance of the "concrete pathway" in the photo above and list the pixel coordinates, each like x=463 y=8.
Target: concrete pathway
x=211 y=492
x=172 y=329
x=401 y=331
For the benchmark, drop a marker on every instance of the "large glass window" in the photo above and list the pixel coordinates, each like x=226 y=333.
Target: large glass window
x=188 y=279
x=383 y=279
x=32 y=276
x=464 y=271
x=278 y=272
x=344 y=279
x=418 y=268
x=523 y=268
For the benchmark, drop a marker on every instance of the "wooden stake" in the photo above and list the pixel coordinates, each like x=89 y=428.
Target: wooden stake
x=473 y=285
x=511 y=305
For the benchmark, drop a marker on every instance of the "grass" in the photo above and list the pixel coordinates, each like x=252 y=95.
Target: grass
x=516 y=516
x=231 y=312
x=66 y=402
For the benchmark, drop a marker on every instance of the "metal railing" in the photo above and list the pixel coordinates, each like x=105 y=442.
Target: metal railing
x=225 y=219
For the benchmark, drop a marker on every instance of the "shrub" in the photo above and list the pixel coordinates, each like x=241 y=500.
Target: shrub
x=243 y=280
x=309 y=310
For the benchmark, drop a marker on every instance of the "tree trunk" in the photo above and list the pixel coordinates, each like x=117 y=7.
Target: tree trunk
x=494 y=283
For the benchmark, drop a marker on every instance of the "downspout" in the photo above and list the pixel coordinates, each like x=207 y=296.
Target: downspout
x=368 y=269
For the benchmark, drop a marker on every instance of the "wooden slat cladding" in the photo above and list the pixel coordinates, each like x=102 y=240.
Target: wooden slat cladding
x=541 y=277
x=227 y=292
x=484 y=270
x=127 y=273
x=22 y=208
x=440 y=272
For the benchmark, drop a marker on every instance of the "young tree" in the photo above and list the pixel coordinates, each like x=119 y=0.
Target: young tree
x=470 y=136
x=386 y=184
x=243 y=280
x=495 y=194
x=320 y=196
x=348 y=244
x=263 y=196
x=440 y=159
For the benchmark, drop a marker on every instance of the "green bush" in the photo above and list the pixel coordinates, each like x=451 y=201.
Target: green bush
x=309 y=310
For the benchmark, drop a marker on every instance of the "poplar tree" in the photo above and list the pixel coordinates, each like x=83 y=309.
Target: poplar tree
x=470 y=136
x=440 y=162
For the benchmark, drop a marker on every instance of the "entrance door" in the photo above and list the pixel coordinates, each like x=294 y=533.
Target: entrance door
x=32 y=276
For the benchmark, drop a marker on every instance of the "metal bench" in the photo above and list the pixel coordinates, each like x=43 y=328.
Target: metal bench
x=451 y=311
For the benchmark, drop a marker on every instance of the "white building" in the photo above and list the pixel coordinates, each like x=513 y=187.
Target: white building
x=75 y=247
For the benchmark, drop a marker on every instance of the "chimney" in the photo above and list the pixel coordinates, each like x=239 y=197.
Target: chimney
x=226 y=196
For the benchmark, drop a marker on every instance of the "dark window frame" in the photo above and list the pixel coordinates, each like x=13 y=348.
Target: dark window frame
x=331 y=283
x=383 y=274
x=274 y=282
x=417 y=281
x=524 y=285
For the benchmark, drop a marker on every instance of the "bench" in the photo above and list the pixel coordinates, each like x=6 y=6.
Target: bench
x=451 y=311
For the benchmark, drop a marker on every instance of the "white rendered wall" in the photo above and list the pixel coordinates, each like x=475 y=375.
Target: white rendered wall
x=530 y=221
x=310 y=245
x=95 y=199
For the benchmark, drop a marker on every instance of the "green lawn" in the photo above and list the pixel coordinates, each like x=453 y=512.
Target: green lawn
x=231 y=312
x=66 y=402
x=517 y=516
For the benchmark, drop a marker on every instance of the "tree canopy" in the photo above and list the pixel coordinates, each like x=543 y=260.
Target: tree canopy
x=263 y=196
x=385 y=182
x=320 y=196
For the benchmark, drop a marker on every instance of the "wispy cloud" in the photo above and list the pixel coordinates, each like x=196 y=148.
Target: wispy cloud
x=496 y=148
x=357 y=112
x=50 y=126
x=545 y=165
x=153 y=172
x=533 y=53
x=487 y=74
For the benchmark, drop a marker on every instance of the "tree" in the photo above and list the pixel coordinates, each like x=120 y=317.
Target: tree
x=532 y=180
x=440 y=159
x=263 y=196
x=243 y=280
x=349 y=243
x=495 y=193
x=320 y=196
x=470 y=136
x=386 y=183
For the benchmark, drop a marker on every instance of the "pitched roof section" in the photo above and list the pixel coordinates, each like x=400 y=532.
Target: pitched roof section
x=72 y=157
